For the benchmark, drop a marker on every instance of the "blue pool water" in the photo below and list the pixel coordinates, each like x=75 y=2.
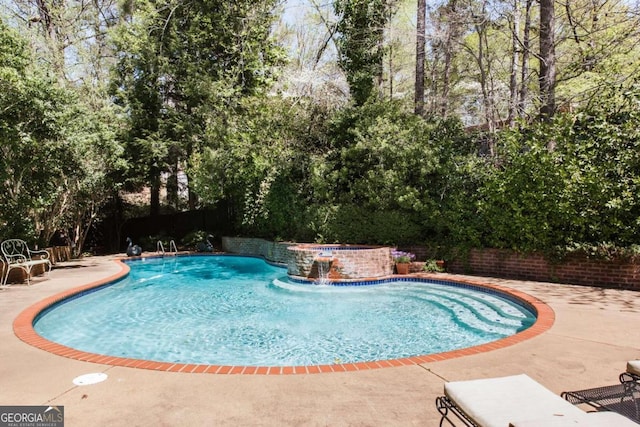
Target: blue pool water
x=230 y=310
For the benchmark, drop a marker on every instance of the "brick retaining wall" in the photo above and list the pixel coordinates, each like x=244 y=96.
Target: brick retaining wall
x=271 y=251
x=575 y=269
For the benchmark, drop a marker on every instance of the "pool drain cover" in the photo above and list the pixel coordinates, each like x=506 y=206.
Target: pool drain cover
x=89 y=379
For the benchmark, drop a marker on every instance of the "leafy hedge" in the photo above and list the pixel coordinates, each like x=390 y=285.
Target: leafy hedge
x=570 y=185
x=381 y=175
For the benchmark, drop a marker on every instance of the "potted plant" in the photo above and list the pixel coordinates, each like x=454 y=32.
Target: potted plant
x=434 y=266
x=402 y=260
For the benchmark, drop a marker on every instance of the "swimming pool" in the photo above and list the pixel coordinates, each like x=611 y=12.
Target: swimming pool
x=231 y=310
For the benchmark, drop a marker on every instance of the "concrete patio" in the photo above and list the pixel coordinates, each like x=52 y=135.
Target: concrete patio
x=596 y=331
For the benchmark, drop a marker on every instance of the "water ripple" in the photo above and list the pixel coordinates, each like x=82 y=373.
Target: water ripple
x=242 y=311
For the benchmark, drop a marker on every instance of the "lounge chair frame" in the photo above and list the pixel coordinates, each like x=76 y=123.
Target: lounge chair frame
x=16 y=254
x=621 y=398
x=445 y=406
x=629 y=377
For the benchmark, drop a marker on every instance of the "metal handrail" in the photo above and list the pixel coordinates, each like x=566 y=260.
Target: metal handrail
x=172 y=246
x=160 y=246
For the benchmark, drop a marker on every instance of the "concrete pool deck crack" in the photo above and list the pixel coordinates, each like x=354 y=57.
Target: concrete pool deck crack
x=572 y=337
x=434 y=373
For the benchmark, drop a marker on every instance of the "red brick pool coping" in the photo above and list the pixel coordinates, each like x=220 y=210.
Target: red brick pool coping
x=23 y=328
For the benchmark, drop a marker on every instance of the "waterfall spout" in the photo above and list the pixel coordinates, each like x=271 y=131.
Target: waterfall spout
x=323 y=262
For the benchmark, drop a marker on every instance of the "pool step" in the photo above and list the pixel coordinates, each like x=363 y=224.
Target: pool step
x=486 y=313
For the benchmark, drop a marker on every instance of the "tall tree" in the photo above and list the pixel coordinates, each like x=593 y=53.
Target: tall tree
x=180 y=63
x=547 y=77
x=524 y=67
x=482 y=55
x=420 y=56
x=514 y=23
x=312 y=71
x=361 y=44
x=451 y=38
x=70 y=36
x=448 y=28
x=54 y=162
x=597 y=45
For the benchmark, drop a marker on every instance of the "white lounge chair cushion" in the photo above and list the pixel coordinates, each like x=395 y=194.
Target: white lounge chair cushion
x=514 y=399
x=591 y=419
x=633 y=366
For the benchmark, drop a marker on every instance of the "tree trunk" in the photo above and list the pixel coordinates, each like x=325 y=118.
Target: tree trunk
x=433 y=86
x=513 y=78
x=381 y=21
x=50 y=30
x=82 y=226
x=524 y=68
x=451 y=35
x=391 y=71
x=420 y=57
x=484 y=68
x=173 y=197
x=484 y=79
x=173 y=187
x=155 y=194
x=547 y=60
x=193 y=197
x=446 y=75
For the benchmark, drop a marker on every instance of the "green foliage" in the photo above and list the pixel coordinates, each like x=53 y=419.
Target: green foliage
x=381 y=157
x=383 y=179
x=400 y=180
x=191 y=86
x=570 y=184
x=193 y=238
x=370 y=174
x=520 y=203
x=384 y=176
x=349 y=223
x=257 y=160
x=33 y=158
x=150 y=243
x=181 y=67
x=360 y=43
x=600 y=48
x=57 y=157
x=431 y=266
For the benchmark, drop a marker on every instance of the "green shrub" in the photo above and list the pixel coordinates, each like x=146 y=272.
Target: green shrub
x=569 y=185
x=356 y=224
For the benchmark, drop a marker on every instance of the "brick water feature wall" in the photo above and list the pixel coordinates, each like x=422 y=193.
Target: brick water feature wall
x=343 y=262
x=575 y=269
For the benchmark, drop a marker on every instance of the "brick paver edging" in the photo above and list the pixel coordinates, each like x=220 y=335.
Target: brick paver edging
x=23 y=328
